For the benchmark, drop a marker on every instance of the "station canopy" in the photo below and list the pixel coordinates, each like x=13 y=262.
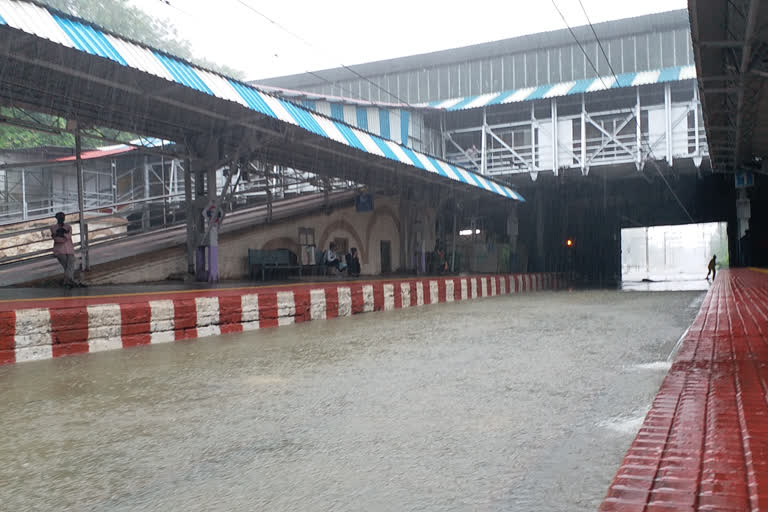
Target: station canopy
x=70 y=68
x=587 y=85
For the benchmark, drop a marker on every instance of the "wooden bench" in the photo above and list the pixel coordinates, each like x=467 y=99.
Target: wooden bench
x=277 y=259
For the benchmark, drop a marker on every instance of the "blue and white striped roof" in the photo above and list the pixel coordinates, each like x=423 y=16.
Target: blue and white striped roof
x=38 y=20
x=567 y=88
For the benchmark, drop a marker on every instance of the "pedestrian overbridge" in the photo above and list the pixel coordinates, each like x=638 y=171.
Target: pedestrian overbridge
x=67 y=67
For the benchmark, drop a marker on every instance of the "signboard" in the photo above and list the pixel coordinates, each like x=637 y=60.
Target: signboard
x=364 y=203
x=744 y=179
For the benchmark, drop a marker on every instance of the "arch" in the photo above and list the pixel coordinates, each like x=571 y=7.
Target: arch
x=343 y=225
x=381 y=211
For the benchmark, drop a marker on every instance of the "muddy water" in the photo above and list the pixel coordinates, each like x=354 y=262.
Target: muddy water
x=513 y=403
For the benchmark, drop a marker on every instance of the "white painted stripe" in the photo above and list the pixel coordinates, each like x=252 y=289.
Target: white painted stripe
x=494 y=291
x=425 y=162
x=474 y=287
x=502 y=285
x=449 y=290
x=465 y=174
x=405 y=294
x=559 y=90
x=374 y=126
x=481 y=100
x=330 y=129
x=350 y=115
x=464 y=294
x=249 y=316
x=389 y=297
x=33 y=19
x=317 y=307
x=139 y=57
x=394 y=125
x=161 y=321
x=367 y=142
x=367 y=298
x=519 y=95
x=323 y=107
x=483 y=286
x=449 y=103
x=528 y=283
x=646 y=77
x=33 y=335
x=345 y=301
x=687 y=73
x=286 y=308
x=277 y=107
x=398 y=151
x=419 y=293
x=520 y=283
x=220 y=87
x=601 y=84
x=486 y=184
x=434 y=291
x=105 y=330
x=207 y=309
x=447 y=169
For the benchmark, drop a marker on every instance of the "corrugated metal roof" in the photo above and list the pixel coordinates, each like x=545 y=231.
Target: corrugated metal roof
x=37 y=20
x=672 y=74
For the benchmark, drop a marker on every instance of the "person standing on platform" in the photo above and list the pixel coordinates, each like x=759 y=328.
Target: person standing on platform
x=64 y=249
x=711 y=268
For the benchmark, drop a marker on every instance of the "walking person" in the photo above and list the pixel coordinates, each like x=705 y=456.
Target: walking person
x=711 y=268
x=64 y=249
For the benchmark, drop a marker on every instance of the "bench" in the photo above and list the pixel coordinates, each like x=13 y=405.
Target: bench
x=277 y=259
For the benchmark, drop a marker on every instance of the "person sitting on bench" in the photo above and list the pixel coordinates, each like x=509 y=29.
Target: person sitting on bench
x=332 y=260
x=353 y=262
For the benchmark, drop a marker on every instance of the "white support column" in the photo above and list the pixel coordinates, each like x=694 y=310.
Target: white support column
x=113 y=167
x=584 y=167
x=81 y=202
x=24 y=211
x=639 y=131
x=483 y=143
x=697 y=145
x=533 y=139
x=145 y=220
x=668 y=120
x=555 y=149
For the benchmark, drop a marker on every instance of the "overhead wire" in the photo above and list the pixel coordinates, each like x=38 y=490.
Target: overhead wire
x=616 y=78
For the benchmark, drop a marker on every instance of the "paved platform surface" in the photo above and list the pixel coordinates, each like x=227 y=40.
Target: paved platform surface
x=704 y=443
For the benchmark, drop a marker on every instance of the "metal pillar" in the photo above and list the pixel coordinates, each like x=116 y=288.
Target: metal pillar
x=483 y=143
x=213 y=229
x=113 y=168
x=639 y=131
x=145 y=220
x=190 y=217
x=555 y=151
x=23 y=195
x=81 y=203
x=584 y=166
x=533 y=138
x=668 y=120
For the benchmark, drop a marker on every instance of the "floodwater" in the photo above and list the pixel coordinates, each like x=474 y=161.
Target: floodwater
x=523 y=403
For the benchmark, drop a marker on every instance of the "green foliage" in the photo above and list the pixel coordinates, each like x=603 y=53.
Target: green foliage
x=123 y=18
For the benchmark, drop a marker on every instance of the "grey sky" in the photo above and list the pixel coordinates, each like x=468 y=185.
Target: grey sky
x=351 y=32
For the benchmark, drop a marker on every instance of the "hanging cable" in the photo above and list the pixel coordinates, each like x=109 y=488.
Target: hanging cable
x=616 y=78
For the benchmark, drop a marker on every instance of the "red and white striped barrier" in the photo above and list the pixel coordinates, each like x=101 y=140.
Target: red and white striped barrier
x=80 y=325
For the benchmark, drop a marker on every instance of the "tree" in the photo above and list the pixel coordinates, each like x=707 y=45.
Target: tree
x=122 y=18
x=127 y=20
